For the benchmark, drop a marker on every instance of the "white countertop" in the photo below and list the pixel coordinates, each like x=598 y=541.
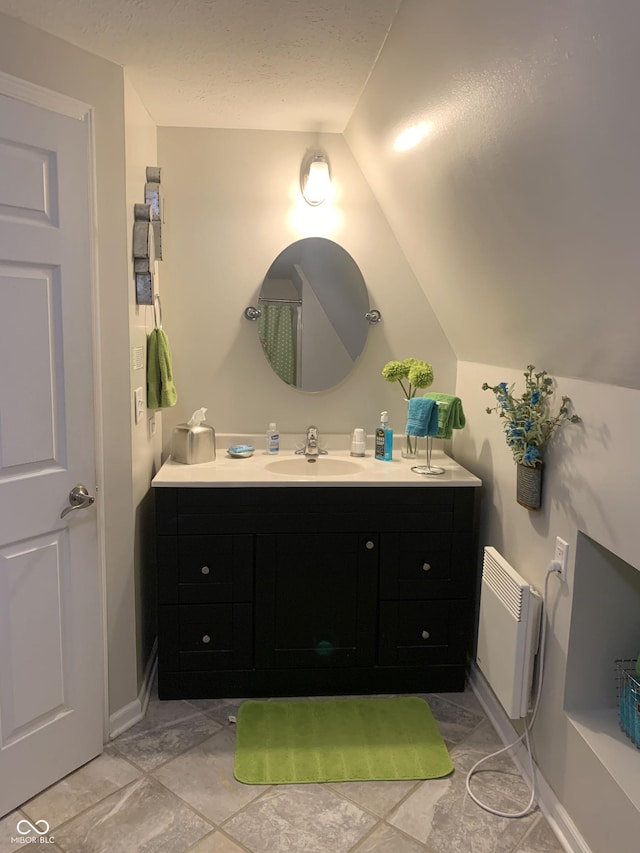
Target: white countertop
x=258 y=470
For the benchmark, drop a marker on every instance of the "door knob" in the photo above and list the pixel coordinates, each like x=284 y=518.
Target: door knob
x=79 y=498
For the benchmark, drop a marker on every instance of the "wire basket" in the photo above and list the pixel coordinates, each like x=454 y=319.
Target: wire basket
x=628 y=689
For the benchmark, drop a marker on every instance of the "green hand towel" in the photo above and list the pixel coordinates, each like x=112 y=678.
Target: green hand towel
x=161 y=391
x=153 y=371
x=168 y=393
x=450 y=413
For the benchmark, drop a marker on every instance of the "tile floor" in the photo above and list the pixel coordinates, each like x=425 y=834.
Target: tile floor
x=167 y=786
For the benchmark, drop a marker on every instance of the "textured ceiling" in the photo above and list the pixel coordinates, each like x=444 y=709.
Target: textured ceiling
x=261 y=64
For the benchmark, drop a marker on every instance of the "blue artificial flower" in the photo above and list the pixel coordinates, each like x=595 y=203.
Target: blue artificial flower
x=527 y=420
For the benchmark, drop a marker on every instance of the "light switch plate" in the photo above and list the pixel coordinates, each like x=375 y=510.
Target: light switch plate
x=139 y=404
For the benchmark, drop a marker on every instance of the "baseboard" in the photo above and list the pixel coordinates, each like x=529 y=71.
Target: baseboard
x=550 y=806
x=130 y=714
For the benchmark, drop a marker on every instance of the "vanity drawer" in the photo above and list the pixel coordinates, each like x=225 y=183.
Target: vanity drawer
x=206 y=569
x=206 y=636
x=424 y=565
x=326 y=509
x=416 y=633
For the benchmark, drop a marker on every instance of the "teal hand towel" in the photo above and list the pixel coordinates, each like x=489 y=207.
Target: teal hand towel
x=422 y=417
x=161 y=390
x=450 y=413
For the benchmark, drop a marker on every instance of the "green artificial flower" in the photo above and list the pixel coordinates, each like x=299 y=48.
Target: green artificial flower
x=528 y=421
x=394 y=371
x=418 y=374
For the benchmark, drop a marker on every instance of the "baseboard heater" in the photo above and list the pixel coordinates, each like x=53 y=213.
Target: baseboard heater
x=508 y=633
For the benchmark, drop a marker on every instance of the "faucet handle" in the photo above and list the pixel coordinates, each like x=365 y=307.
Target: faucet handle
x=312 y=433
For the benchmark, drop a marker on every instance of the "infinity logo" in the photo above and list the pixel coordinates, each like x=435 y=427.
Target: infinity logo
x=30 y=827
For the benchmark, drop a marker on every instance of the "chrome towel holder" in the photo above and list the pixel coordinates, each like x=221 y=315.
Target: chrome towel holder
x=373 y=317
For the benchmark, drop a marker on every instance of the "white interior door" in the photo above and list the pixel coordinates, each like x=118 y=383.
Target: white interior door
x=51 y=646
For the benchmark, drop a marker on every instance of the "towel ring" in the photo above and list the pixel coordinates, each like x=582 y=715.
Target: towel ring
x=157 y=311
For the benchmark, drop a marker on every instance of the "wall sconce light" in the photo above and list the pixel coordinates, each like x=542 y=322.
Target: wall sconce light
x=315 y=177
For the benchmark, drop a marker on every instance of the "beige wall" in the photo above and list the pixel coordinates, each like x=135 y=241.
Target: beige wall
x=590 y=487
x=518 y=211
x=34 y=56
x=141 y=151
x=233 y=204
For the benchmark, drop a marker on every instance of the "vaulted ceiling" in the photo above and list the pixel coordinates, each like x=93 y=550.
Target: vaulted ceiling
x=259 y=64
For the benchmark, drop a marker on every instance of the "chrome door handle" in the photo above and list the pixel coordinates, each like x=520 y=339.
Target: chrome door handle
x=79 y=498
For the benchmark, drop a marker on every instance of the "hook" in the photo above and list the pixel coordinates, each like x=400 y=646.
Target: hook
x=157 y=311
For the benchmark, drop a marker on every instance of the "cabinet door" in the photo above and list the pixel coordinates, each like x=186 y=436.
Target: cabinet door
x=425 y=565
x=316 y=600
x=205 y=569
x=421 y=633
x=205 y=637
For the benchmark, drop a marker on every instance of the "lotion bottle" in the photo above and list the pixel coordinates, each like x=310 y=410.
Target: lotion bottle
x=384 y=439
x=273 y=439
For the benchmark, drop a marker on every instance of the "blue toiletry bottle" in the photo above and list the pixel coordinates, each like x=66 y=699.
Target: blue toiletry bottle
x=384 y=439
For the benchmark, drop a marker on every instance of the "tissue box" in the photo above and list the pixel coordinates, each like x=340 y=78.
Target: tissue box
x=193 y=444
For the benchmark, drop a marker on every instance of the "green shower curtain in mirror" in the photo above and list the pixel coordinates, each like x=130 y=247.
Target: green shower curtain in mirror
x=276 y=330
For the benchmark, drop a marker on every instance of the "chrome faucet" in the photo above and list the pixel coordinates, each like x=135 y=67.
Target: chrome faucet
x=311 y=449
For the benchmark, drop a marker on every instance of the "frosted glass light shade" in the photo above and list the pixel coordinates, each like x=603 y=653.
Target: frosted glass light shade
x=315 y=178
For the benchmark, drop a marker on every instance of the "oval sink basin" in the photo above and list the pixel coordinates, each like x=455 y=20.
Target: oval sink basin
x=323 y=467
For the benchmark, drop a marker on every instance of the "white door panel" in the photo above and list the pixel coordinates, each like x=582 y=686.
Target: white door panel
x=51 y=703
x=32 y=689
x=26 y=186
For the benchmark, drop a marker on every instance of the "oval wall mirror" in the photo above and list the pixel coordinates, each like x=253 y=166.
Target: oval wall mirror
x=312 y=323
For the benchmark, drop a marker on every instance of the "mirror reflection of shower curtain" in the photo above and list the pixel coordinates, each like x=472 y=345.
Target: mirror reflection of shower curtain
x=278 y=331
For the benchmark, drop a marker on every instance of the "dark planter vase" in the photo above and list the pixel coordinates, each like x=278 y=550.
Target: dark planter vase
x=529 y=486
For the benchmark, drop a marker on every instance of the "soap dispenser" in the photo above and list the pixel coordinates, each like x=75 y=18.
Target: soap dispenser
x=384 y=439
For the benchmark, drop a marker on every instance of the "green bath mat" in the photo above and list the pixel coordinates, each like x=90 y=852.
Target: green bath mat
x=338 y=740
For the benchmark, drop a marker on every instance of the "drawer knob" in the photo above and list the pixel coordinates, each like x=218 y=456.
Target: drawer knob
x=370 y=545
x=426 y=567
x=425 y=635
x=206 y=639
x=205 y=570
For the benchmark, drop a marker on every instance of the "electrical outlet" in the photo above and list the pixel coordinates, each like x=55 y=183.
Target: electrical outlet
x=139 y=404
x=561 y=556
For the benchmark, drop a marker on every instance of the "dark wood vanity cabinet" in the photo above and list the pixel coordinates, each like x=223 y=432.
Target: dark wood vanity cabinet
x=314 y=590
